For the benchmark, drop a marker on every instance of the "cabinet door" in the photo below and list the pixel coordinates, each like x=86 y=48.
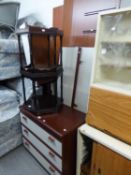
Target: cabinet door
x=58 y=17
x=75 y=21
x=107 y=162
x=85 y=13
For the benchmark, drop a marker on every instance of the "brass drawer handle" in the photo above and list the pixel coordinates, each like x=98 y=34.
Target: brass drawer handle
x=52 y=169
x=24 y=118
x=27 y=144
x=26 y=132
x=51 y=139
x=51 y=154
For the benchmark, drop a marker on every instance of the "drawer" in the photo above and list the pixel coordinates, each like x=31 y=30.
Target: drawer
x=51 y=156
x=40 y=159
x=110 y=112
x=51 y=141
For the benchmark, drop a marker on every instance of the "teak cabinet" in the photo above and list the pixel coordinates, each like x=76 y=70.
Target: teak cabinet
x=110 y=95
x=106 y=162
x=80 y=20
x=101 y=154
x=51 y=138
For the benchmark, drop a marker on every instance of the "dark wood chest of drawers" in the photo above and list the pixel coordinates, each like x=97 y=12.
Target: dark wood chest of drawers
x=51 y=139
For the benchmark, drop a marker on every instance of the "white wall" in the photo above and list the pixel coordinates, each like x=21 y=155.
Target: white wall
x=42 y=8
x=70 y=55
x=125 y=3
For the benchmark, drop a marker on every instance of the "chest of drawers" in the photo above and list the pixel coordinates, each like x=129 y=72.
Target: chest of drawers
x=51 y=139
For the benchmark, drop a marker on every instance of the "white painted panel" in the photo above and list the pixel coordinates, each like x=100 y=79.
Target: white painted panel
x=40 y=159
x=52 y=157
x=110 y=142
x=125 y=3
x=83 y=86
x=42 y=134
x=69 y=65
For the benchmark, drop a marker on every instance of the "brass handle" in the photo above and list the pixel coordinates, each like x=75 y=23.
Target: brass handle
x=26 y=132
x=24 y=118
x=51 y=139
x=52 y=169
x=27 y=143
x=51 y=154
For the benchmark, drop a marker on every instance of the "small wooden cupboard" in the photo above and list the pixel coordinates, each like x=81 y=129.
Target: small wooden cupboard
x=107 y=162
x=78 y=20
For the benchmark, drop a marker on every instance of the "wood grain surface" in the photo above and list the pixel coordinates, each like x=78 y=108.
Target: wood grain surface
x=107 y=162
x=110 y=112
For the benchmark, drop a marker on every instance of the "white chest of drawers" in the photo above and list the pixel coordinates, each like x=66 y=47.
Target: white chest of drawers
x=51 y=139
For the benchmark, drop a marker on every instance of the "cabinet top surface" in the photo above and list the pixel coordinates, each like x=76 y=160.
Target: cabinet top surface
x=59 y=124
x=110 y=142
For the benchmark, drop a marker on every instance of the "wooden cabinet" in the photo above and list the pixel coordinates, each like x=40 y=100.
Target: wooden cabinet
x=51 y=139
x=110 y=95
x=107 y=162
x=110 y=112
x=109 y=156
x=80 y=20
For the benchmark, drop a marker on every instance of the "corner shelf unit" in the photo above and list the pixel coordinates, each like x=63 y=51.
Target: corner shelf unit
x=44 y=68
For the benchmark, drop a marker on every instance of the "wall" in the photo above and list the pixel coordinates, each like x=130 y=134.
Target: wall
x=70 y=55
x=125 y=3
x=42 y=8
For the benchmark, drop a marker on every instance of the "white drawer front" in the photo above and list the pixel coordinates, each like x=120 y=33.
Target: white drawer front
x=41 y=160
x=52 y=157
x=51 y=141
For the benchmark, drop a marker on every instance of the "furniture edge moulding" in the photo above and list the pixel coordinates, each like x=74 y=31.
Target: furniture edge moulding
x=110 y=142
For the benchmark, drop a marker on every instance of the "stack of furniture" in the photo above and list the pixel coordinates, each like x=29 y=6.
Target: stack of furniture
x=48 y=127
x=44 y=69
x=110 y=96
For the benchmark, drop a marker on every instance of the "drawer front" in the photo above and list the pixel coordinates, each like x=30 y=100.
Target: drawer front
x=52 y=157
x=40 y=159
x=110 y=112
x=51 y=141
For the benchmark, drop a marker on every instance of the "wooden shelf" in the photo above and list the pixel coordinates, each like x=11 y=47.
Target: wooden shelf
x=115 y=58
x=106 y=140
x=114 y=87
x=118 y=40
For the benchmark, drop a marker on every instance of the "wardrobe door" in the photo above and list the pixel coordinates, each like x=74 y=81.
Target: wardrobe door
x=80 y=20
x=107 y=162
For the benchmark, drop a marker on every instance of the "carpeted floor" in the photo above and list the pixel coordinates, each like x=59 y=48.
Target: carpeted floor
x=20 y=162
